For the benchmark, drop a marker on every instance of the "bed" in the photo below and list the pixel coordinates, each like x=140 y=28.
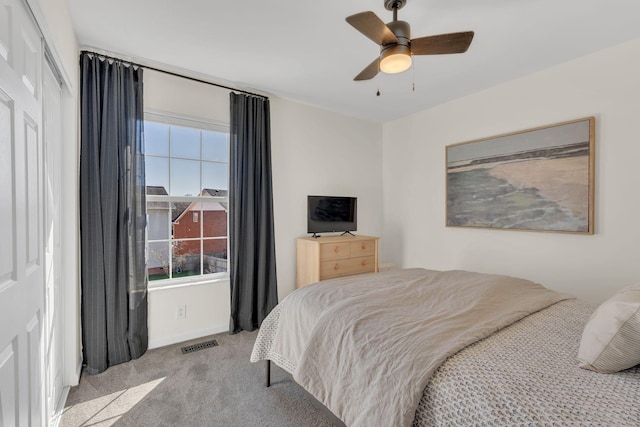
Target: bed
x=419 y=347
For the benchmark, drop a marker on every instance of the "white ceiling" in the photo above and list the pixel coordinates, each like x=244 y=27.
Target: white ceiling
x=304 y=50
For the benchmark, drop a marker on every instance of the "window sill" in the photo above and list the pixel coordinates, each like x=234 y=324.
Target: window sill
x=187 y=282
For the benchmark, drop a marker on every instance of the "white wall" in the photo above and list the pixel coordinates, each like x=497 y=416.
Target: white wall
x=313 y=152
x=63 y=36
x=317 y=152
x=604 y=85
x=207 y=303
x=178 y=95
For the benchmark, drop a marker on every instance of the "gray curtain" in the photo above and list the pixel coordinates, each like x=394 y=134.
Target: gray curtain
x=112 y=213
x=251 y=238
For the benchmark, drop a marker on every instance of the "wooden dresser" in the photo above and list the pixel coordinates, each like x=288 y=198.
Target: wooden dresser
x=334 y=256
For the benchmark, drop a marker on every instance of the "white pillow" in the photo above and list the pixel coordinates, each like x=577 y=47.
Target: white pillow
x=611 y=339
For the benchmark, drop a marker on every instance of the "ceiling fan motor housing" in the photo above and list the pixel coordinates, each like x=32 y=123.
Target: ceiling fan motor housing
x=398 y=54
x=402 y=31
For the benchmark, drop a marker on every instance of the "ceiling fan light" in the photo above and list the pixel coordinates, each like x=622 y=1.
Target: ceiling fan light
x=395 y=59
x=395 y=63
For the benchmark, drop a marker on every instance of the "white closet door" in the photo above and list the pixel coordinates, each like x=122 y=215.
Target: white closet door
x=53 y=306
x=21 y=219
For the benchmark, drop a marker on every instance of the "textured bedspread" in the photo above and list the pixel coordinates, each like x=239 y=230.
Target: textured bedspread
x=528 y=375
x=367 y=346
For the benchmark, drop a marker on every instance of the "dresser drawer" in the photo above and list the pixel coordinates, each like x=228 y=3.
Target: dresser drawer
x=363 y=248
x=347 y=267
x=329 y=257
x=335 y=251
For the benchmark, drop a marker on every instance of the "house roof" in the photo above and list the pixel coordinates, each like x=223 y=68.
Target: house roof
x=179 y=208
x=214 y=192
x=156 y=190
x=213 y=205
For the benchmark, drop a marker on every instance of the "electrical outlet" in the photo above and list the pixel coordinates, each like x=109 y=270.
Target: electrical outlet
x=181 y=312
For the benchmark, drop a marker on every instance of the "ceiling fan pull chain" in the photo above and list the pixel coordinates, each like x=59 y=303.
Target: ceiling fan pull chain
x=413 y=70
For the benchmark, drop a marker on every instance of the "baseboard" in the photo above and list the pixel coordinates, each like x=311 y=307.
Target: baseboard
x=161 y=342
x=57 y=414
x=73 y=379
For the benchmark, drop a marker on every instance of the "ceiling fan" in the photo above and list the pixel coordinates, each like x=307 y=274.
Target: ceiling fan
x=396 y=45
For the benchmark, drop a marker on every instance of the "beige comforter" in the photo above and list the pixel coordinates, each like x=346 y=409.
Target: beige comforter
x=366 y=346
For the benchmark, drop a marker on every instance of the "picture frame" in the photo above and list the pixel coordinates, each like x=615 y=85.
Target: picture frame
x=539 y=179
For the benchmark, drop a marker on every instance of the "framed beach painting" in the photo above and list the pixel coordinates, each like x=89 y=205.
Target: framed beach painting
x=538 y=179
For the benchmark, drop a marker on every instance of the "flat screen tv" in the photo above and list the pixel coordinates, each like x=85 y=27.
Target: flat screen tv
x=327 y=214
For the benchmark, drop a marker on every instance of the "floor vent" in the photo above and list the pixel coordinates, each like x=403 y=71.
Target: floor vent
x=199 y=346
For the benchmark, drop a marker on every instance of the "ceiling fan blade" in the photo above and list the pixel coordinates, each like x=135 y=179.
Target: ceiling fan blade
x=370 y=71
x=442 y=44
x=373 y=27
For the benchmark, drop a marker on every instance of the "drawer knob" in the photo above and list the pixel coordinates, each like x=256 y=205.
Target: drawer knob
x=364 y=247
x=335 y=267
x=363 y=263
x=336 y=249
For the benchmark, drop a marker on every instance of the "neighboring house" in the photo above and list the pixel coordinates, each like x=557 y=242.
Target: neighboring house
x=181 y=222
x=211 y=217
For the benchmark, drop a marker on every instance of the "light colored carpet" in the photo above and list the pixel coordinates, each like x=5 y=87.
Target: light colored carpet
x=216 y=386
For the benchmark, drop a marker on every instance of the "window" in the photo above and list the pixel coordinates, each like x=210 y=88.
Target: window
x=187 y=170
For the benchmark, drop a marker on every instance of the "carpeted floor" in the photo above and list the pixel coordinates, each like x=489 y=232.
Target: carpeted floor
x=217 y=386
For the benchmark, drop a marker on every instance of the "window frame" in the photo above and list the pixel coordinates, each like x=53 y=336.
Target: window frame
x=172 y=119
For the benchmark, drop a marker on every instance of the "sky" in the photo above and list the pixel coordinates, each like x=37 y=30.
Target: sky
x=185 y=160
x=570 y=133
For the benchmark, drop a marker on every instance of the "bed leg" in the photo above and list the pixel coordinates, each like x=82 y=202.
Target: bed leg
x=267 y=380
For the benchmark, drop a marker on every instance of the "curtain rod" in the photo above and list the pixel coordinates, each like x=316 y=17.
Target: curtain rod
x=171 y=73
